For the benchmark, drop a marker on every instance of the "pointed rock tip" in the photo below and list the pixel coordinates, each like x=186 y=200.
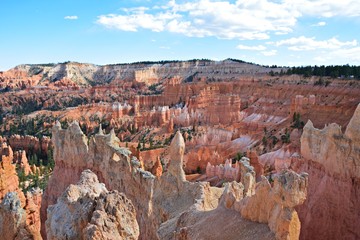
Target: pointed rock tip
x=178 y=140
x=111 y=137
x=101 y=132
x=309 y=124
x=353 y=128
x=75 y=127
x=112 y=133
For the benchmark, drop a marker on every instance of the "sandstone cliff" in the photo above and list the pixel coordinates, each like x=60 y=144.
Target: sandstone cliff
x=24 y=76
x=332 y=159
x=13 y=218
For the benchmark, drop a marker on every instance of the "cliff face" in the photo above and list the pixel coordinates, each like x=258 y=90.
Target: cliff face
x=332 y=159
x=29 y=143
x=165 y=205
x=82 y=74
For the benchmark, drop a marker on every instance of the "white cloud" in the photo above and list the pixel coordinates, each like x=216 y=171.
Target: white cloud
x=240 y=19
x=326 y=8
x=71 y=17
x=305 y=44
x=269 y=53
x=204 y=18
x=319 y=24
x=348 y=54
x=339 y=56
x=254 y=48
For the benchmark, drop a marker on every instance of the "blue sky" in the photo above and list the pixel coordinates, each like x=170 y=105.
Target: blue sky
x=282 y=32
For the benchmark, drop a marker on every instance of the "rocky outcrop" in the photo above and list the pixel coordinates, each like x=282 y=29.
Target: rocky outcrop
x=332 y=160
x=32 y=209
x=166 y=207
x=89 y=211
x=21 y=213
x=22 y=161
x=112 y=164
x=175 y=166
x=224 y=172
x=247 y=176
x=13 y=219
x=31 y=143
x=157 y=169
x=275 y=204
x=82 y=74
x=9 y=181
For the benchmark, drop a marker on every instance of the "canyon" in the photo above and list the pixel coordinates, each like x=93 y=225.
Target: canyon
x=168 y=150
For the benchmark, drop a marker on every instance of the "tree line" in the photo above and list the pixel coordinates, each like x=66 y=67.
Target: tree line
x=335 y=71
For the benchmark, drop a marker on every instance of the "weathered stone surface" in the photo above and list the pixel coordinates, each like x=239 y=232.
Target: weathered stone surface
x=88 y=211
x=157 y=169
x=32 y=209
x=177 y=149
x=9 y=181
x=22 y=161
x=275 y=204
x=13 y=219
x=332 y=160
x=166 y=207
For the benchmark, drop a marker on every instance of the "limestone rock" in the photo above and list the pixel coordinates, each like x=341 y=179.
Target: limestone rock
x=157 y=168
x=13 y=218
x=21 y=159
x=113 y=218
x=32 y=209
x=9 y=181
x=166 y=206
x=88 y=211
x=247 y=176
x=177 y=149
x=332 y=159
x=352 y=130
x=275 y=205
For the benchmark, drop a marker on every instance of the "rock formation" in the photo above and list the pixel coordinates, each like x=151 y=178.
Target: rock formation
x=166 y=207
x=9 y=181
x=224 y=172
x=22 y=161
x=175 y=166
x=157 y=169
x=332 y=160
x=89 y=211
x=20 y=213
x=27 y=143
x=13 y=218
x=32 y=209
x=82 y=74
x=289 y=190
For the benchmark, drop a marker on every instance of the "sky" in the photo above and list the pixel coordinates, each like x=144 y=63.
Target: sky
x=268 y=32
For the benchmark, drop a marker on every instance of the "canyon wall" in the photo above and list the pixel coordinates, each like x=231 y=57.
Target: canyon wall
x=332 y=159
x=83 y=74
